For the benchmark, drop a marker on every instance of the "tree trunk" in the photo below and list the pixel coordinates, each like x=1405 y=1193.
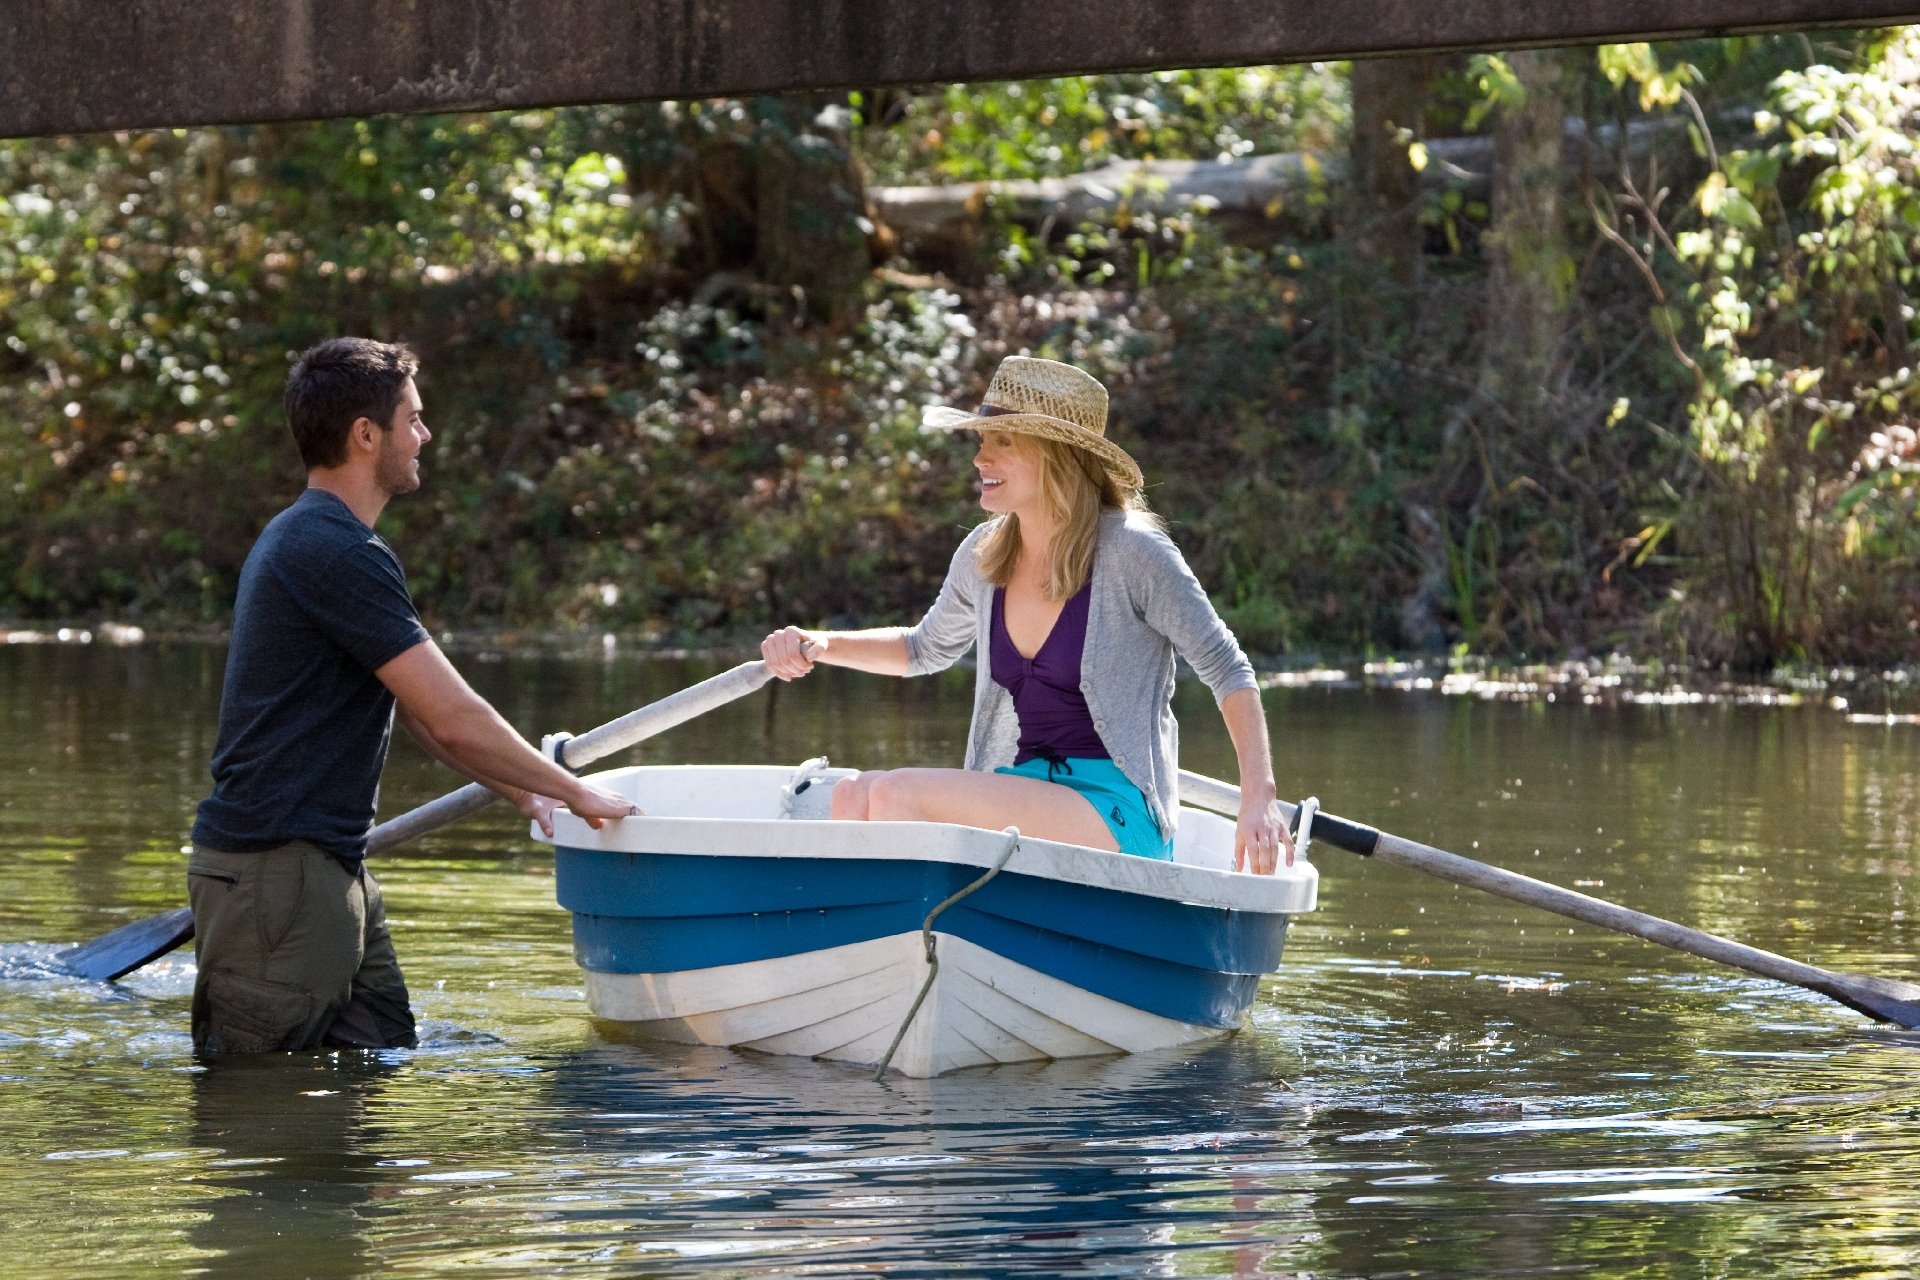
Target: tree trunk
x=810 y=200
x=1507 y=425
x=777 y=206
x=1383 y=206
x=1530 y=271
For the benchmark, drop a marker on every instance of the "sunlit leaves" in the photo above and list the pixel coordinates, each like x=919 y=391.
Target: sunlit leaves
x=1637 y=64
x=1046 y=128
x=152 y=284
x=1802 y=325
x=1500 y=89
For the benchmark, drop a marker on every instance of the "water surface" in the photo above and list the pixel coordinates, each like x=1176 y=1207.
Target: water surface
x=1438 y=1083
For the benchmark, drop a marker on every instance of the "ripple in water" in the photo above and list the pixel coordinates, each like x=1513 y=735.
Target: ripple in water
x=1436 y=1084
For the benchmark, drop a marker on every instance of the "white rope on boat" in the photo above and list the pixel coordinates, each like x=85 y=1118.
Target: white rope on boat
x=933 y=955
x=803 y=777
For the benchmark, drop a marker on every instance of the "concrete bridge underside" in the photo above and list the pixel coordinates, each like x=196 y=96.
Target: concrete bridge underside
x=75 y=66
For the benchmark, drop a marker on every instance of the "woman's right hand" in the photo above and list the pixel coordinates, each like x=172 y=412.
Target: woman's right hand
x=790 y=652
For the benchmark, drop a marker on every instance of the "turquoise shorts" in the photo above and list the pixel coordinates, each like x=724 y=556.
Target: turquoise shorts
x=1117 y=801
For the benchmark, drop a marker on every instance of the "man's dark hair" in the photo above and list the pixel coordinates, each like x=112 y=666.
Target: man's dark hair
x=337 y=382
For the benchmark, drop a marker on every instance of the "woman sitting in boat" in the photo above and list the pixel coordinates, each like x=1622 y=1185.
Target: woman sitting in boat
x=1078 y=602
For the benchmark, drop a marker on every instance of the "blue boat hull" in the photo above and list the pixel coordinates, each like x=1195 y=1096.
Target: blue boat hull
x=725 y=917
x=652 y=913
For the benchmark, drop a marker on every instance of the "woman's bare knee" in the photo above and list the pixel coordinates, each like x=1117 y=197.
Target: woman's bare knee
x=894 y=797
x=848 y=800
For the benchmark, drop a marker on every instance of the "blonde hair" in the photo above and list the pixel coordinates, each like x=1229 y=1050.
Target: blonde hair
x=1075 y=487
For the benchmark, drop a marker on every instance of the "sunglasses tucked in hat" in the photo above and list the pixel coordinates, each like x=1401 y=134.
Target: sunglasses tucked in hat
x=1051 y=400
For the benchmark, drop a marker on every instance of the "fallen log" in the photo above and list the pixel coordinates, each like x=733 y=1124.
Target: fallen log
x=1288 y=189
x=1281 y=193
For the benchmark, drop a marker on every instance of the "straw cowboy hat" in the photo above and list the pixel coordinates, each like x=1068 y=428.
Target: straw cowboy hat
x=1053 y=401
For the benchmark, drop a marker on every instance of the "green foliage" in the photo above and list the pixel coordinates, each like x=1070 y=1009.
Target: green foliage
x=1278 y=462
x=1499 y=88
x=1659 y=85
x=154 y=284
x=1804 y=335
x=1046 y=128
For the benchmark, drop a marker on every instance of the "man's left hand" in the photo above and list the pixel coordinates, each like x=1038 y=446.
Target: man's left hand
x=539 y=808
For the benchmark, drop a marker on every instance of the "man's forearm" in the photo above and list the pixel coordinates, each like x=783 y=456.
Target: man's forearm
x=459 y=728
x=428 y=743
x=476 y=741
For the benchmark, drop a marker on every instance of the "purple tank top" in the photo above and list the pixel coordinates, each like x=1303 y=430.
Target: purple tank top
x=1054 y=720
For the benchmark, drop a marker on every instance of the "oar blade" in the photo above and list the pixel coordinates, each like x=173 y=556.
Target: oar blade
x=130 y=946
x=1885 y=999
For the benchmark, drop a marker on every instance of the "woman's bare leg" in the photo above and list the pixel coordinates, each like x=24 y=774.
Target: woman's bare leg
x=847 y=802
x=1044 y=810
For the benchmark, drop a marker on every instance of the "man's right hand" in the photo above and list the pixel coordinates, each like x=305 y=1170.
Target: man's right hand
x=596 y=806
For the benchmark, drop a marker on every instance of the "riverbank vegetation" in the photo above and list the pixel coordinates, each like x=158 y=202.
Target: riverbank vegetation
x=1552 y=354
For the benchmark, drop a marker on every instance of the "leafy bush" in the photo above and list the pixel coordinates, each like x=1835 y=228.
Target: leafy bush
x=1803 y=332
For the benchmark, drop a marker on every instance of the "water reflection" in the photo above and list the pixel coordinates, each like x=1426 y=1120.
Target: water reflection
x=1102 y=1166
x=283 y=1142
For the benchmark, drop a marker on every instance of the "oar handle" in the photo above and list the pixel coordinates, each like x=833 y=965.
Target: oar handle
x=674 y=709
x=1882 y=998
x=1224 y=797
x=577 y=753
x=430 y=816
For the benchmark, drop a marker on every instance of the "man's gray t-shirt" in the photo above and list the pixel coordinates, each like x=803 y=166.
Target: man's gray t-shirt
x=304 y=722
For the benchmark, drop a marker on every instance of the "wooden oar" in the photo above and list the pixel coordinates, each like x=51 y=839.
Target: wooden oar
x=1885 y=999
x=127 y=948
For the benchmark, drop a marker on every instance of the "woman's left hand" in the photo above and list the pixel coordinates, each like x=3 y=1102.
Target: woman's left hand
x=1260 y=836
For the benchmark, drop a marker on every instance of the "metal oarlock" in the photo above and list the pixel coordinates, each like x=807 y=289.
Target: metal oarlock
x=554 y=748
x=1302 y=825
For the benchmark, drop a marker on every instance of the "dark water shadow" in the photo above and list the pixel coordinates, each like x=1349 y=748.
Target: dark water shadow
x=293 y=1189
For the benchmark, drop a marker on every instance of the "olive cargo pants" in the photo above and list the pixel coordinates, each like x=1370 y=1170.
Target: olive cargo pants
x=293 y=953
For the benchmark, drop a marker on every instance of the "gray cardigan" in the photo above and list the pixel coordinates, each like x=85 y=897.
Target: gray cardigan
x=1146 y=606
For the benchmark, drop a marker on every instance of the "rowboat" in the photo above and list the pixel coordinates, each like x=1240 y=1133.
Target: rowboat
x=737 y=913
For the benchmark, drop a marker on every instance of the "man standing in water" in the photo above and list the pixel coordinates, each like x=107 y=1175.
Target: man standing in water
x=289 y=929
